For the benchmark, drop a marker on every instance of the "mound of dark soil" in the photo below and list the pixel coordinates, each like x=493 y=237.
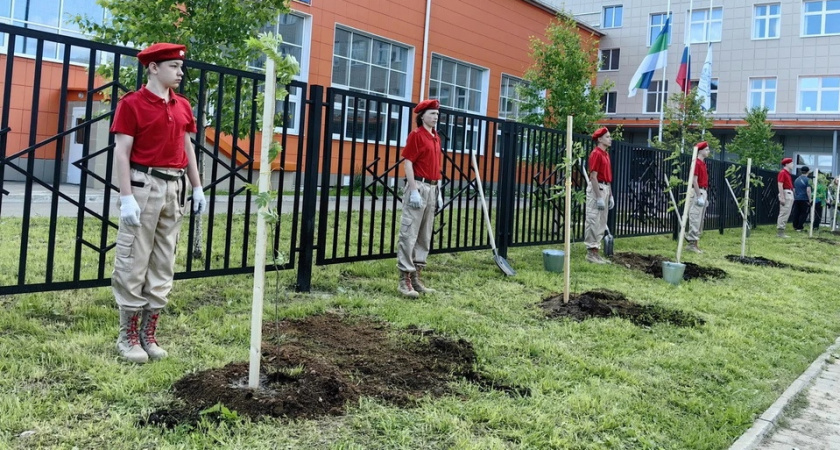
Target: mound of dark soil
x=827 y=241
x=765 y=262
x=605 y=303
x=314 y=366
x=652 y=265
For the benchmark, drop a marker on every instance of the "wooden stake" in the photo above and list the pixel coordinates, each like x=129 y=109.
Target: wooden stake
x=673 y=200
x=567 y=226
x=814 y=201
x=746 y=212
x=686 y=206
x=261 y=244
x=836 y=201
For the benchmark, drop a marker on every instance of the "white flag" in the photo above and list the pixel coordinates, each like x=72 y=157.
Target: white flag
x=704 y=87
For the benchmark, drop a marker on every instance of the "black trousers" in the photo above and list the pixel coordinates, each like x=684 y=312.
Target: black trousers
x=800 y=213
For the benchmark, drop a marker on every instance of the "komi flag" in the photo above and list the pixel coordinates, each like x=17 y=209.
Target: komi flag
x=655 y=59
x=684 y=74
x=704 y=88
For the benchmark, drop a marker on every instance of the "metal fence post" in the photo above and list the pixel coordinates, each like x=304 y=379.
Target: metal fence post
x=310 y=188
x=507 y=187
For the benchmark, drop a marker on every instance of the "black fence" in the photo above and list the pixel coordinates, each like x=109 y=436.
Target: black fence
x=339 y=173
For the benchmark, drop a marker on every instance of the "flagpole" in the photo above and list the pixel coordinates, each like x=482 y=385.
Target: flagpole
x=687 y=86
x=664 y=77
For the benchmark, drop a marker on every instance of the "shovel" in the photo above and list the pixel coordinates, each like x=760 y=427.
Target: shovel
x=500 y=261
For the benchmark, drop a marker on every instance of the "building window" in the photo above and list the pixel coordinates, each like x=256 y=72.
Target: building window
x=821 y=18
x=713 y=91
x=763 y=93
x=510 y=100
x=819 y=94
x=295 y=29
x=767 y=21
x=822 y=161
x=51 y=16
x=609 y=59
x=657 y=23
x=458 y=86
x=370 y=65
x=657 y=93
x=612 y=16
x=608 y=101
x=706 y=26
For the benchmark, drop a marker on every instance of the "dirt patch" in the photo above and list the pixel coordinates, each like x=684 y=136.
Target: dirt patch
x=605 y=303
x=314 y=366
x=652 y=265
x=827 y=241
x=765 y=262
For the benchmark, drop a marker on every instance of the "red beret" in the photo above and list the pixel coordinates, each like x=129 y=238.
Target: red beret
x=426 y=104
x=162 y=52
x=702 y=144
x=599 y=132
x=787 y=160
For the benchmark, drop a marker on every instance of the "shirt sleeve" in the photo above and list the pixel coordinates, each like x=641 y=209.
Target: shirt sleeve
x=409 y=152
x=125 y=120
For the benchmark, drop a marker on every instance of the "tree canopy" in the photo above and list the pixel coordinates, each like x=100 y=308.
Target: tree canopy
x=755 y=140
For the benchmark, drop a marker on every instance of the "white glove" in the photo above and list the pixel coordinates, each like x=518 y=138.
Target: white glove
x=700 y=201
x=199 y=202
x=439 y=201
x=612 y=202
x=414 y=199
x=129 y=210
x=600 y=204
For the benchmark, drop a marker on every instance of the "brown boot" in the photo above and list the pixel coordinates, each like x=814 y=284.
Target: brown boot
x=692 y=247
x=593 y=256
x=780 y=232
x=406 y=288
x=128 y=342
x=147 y=335
x=418 y=285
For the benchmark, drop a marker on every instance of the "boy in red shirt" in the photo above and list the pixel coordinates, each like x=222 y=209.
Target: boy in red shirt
x=785 y=184
x=598 y=195
x=152 y=154
x=698 y=198
x=422 y=166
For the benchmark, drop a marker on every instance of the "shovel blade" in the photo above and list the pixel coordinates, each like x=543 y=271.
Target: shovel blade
x=503 y=265
x=608 y=245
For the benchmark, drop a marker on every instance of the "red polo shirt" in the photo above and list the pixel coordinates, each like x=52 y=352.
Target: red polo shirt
x=702 y=174
x=599 y=161
x=157 y=126
x=785 y=178
x=423 y=150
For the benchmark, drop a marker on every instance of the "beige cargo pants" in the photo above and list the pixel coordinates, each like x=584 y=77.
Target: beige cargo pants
x=416 y=227
x=784 y=210
x=695 y=216
x=596 y=220
x=145 y=255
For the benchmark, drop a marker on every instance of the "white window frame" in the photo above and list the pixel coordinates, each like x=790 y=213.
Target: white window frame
x=651 y=34
x=820 y=90
x=605 y=102
x=514 y=83
x=708 y=22
x=295 y=95
x=822 y=13
x=762 y=91
x=767 y=19
x=395 y=112
x=614 y=57
x=613 y=8
x=658 y=93
x=62 y=29
x=477 y=137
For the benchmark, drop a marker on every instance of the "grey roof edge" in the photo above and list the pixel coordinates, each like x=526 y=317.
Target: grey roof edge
x=554 y=11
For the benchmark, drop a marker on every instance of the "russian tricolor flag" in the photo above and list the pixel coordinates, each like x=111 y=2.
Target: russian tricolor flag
x=684 y=74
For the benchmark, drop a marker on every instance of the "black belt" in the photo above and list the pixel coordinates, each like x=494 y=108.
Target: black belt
x=157 y=173
x=605 y=184
x=426 y=180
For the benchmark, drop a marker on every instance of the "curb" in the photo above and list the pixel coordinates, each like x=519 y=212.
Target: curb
x=767 y=421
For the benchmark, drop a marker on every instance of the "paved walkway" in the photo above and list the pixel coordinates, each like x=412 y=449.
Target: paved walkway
x=814 y=427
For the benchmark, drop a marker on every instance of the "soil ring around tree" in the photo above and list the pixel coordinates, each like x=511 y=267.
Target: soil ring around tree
x=827 y=241
x=313 y=367
x=605 y=303
x=765 y=262
x=652 y=265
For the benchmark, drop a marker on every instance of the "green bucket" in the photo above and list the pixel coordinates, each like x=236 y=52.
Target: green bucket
x=673 y=272
x=553 y=260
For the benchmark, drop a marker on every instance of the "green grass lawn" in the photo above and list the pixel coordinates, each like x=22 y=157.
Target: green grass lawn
x=602 y=383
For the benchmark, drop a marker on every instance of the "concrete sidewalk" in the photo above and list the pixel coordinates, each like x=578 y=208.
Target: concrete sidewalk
x=816 y=426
